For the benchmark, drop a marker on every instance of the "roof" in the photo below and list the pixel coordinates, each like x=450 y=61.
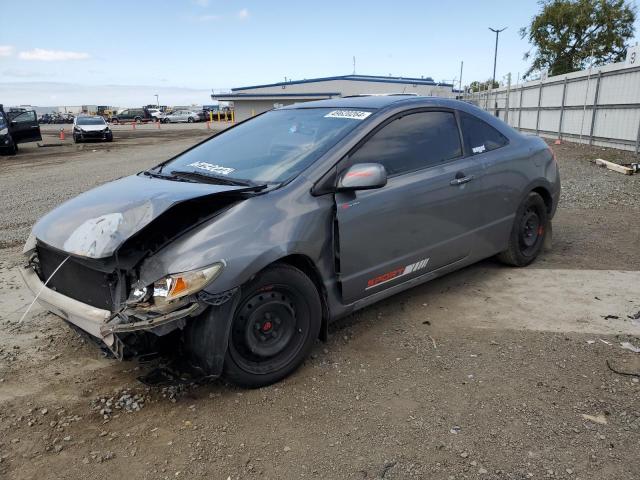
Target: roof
x=271 y=96
x=370 y=101
x=359 y=78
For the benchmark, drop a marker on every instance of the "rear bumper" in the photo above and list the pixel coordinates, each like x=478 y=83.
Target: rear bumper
x=88 y=318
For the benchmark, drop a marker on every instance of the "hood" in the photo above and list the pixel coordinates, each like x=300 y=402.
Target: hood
x=96 y=223
x=92 y=128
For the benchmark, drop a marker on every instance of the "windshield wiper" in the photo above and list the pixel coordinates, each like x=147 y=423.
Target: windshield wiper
x=151 y=173
x=215 y=179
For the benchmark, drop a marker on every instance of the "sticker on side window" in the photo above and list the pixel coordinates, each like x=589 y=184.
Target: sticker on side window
x=479 y=149
x=210 y=167
x=352 y=114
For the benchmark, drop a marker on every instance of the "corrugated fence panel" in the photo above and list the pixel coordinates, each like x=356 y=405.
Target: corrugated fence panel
x=575 y=120
x=617 y=123
x=617 y=89
x=617 y=113
x=552 y=96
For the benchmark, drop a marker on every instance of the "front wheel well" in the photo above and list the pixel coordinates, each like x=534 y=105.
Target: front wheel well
x=546 y=196
x=306 y=266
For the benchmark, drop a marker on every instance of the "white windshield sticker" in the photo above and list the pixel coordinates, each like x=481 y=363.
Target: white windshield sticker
x=209 y=167
x=352 y=114
x=479 y=149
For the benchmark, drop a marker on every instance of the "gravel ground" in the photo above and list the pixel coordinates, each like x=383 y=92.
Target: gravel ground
x=488 y=373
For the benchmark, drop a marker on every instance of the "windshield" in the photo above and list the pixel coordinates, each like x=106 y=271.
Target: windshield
x=271 y=148
x=90 y=121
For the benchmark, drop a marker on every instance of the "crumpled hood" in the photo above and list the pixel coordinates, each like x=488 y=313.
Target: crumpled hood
x=96 y=223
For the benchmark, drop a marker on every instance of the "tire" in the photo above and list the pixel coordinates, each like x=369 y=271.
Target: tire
x=527 y=236
x=138 y=120
x=273 y=328
x=12 y=149
x=190 y=120
x=76 y=139
x=115 y=121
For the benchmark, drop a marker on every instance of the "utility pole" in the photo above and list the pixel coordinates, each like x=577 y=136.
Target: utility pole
x=354 y=65
x=157 y=100
x=495 y=53
x=461 y=64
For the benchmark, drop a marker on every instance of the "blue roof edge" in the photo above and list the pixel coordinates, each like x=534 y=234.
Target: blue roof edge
x=362 y=78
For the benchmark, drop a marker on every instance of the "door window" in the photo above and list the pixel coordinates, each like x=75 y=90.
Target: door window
x=412 y=142
x=479 y=135
x=25 y=117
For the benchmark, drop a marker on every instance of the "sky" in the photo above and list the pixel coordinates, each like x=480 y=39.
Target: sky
x=122 y=53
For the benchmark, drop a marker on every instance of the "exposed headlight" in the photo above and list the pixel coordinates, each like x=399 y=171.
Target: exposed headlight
x=4 y=131
x=180 y=285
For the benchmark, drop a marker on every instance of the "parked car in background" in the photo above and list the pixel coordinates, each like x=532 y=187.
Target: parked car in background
x=156 y=114
x=91 y=127
x=246 y=246
x=189 y=116
x=137 y=115
x=17 y=127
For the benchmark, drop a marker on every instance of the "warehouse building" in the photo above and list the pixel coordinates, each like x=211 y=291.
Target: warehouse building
x=249 y=101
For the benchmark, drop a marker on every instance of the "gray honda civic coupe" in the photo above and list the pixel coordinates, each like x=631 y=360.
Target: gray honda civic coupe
x=240 y=251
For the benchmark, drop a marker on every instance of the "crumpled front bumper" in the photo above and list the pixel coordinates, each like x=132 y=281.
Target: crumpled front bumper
x=88 y=318
x=99 y=323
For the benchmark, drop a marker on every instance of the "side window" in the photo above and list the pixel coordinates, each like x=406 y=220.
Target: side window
x=25 y=117
x=480 y=136
x=412 y=142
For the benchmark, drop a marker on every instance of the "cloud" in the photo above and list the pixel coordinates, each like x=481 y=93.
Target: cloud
x=40 y=54
x=208 y=18
x=201 y=3
x=6 y=50
x=22 y=73
x=243 y=14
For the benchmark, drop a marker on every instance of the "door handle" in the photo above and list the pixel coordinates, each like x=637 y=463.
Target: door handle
x=459 y=181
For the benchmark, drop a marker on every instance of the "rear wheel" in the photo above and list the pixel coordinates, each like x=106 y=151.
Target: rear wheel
x=274 y=327
x=190 y=120
x=115 y=121
x=527 y=235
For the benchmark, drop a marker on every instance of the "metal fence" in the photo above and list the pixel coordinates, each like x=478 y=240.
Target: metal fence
x=599 y=106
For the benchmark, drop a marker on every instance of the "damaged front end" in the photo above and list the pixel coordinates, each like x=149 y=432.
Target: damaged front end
x=84 y=258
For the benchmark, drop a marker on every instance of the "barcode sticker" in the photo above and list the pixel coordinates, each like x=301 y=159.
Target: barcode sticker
x=352 y=114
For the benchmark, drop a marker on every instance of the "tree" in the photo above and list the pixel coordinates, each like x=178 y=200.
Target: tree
x=569 y=35
x=476 y=86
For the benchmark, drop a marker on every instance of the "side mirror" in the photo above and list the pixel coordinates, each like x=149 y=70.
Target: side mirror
x=363 y=176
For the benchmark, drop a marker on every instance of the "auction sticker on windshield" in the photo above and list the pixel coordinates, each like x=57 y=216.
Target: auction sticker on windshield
x=209 y=167
x=353 y=114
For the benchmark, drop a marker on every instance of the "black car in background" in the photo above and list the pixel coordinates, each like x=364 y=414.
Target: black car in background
x=137 y=115
x=17 y=126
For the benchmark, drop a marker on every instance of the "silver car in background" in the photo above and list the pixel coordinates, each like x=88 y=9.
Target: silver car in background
x=188 y=116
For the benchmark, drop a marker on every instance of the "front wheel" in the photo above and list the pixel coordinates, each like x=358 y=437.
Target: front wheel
x=274 y=327
x=190 y=120
x=528 y=232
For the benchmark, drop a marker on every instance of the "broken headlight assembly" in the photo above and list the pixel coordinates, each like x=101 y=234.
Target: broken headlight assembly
x=176 y=286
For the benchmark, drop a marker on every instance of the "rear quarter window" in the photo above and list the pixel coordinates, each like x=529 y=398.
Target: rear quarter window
x=479 y=136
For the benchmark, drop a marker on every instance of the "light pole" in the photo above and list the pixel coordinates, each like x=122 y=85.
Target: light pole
x=157 y=100
x=495 y=54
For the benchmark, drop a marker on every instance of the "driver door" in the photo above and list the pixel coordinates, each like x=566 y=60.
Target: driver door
x=424 y=219
x=24 y=127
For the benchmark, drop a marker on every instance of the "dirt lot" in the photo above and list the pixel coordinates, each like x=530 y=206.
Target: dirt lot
x=486 y=373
